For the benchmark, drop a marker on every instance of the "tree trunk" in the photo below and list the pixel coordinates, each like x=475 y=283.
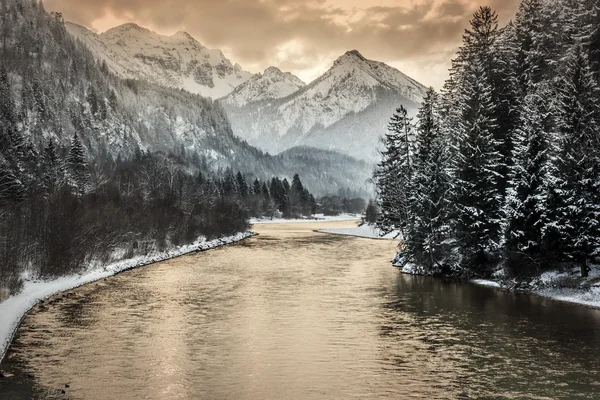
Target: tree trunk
x=585 y=270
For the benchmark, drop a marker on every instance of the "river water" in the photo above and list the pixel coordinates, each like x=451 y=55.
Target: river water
x=294 y=314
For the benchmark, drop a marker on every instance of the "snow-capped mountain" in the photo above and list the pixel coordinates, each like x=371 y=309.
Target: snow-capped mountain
x=271 y=85
x=177 y=61
x=346 y=110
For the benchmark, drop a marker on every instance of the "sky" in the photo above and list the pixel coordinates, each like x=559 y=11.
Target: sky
x=419 y=37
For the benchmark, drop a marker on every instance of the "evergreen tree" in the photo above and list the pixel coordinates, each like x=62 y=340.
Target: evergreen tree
x=242 y=185
x=574 y=196
x=77 y=166
x=11 y=142
x=527 y=199
x=256 y=187
x=265 y=192
x=430 y=188
x=478 y=195
x=298 y=196
x=394 y=173
x=52 y=168
x=478 y=204
x=229 y=184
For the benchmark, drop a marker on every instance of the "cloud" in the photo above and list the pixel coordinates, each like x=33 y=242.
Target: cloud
x=302 y=36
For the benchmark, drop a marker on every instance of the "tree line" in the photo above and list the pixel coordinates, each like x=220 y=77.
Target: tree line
x=501 y=170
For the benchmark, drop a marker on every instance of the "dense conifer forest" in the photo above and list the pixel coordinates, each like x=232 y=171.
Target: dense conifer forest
x=500 y=172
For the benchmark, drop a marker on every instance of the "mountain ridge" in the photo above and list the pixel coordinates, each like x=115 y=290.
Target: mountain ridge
x=353 y=89
x=177 y=61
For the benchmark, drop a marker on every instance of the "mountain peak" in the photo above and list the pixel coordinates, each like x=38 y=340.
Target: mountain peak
x=350 y=56
x=178 y=61
x=130 y=26
x=272 y=71
x=183 y=35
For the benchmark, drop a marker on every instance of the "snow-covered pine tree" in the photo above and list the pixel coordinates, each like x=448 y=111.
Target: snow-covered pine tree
x=527 y=195
x=11 y=145
x=478 y=214
x=430 y=189
x=11 y=141
x=584 y=21
x=574 y=206
x=53 y=171
x=505 y=95
x=477 y=193
x=77 y=166
x=394 y=174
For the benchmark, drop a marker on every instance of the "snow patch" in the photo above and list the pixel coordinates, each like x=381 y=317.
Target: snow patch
x=315 y=218
x=363 y=231
x=487 y=283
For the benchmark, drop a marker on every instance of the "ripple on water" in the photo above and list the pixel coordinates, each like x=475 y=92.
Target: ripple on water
x=295 y=314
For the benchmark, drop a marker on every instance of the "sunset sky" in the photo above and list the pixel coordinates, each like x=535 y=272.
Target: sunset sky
x=418 y=37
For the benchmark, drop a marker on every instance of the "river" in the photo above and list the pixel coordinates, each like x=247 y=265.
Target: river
x=294 y=314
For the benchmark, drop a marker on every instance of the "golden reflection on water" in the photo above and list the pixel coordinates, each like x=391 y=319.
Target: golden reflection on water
x=294 y=314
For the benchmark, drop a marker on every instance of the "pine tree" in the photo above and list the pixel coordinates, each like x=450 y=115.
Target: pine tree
x=229 y=183
x=478 y=204
x=11 y=142
x=394 y=173
x=256 y=187
x=477 y=195
x=298 y=196
x=574 y=197
x=242 y=185
x=430 y=188
x=528 y=193
x=53 y=171
x=77 y=166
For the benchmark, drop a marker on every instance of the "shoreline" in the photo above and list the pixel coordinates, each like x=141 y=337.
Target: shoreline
x=549 y=282
x=582 y=297
x=318 y=218
x=14 y=309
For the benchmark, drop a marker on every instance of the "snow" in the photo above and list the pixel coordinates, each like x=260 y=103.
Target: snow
x=589 y=297
x=352 y=85
x=13 y=309
x=177 y=61
x=315 y=218
x=564 y=286
x=271 y=85
x=487 y=283
x=363 y=231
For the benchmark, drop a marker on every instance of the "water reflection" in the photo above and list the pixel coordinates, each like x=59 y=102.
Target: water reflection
x=295 y=314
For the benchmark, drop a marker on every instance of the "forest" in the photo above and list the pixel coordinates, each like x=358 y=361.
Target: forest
x=94 y=168
x=500 y=172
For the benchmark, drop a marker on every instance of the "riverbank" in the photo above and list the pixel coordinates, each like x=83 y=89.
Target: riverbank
x=315 y=218
x=366 y=231
x=566 y=286
x=13 y=309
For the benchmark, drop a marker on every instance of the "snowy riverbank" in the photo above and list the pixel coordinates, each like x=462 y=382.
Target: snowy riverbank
x=363 y=231
x=315 y=218
x=13 y=309
x=567 y=286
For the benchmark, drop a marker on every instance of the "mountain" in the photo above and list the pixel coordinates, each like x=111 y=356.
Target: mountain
x=273 y=84
x=55 y=89
x=346 y=110
x=177 y=61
